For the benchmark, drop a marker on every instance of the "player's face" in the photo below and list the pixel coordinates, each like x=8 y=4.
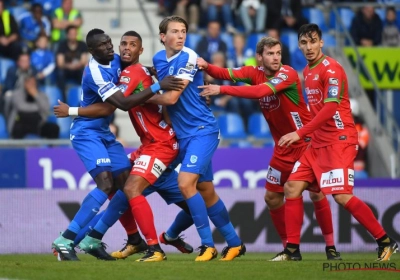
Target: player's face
x=271 y=59
x=311 y=47
x=174 y=38
x=130 y=49
x=103 y=49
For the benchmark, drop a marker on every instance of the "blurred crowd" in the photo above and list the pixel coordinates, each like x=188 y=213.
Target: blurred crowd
x=42 y=54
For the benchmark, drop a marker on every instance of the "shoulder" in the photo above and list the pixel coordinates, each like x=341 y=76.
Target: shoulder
x=287 y=72
x=188 y=55
x=160 y=55
x=330 y=65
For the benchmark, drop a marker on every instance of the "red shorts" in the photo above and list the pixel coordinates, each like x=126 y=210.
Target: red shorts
x=151 y=160
x=332 y=167
x=281 y=166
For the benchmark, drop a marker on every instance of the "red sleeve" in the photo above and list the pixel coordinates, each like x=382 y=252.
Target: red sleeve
x=327 y=112
x=248 y=91
x=242 y=74
x=284 y=79
x=333 y=83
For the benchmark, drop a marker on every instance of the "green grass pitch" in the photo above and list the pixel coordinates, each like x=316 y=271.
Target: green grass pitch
x=179 y=266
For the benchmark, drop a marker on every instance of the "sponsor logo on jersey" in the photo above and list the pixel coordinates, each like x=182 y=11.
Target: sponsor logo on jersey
x=122 y=87
x=171 y=70
x=325 y=62
x=283 y=69
x=270 y=103
x=142 y=162
x=124 y=79
x=158 y=167
x=175 y=146
x=185 y=72
x=296 y=119
x=330 y=71
x=338 y=120
x=333 y=91
x=276 y=81
x=126 y=71
x=101 y=161
x=193 y=159
x=333 y=81
x=138 y=170
x=316 y=77
x=163 y=124
x=351 y=177
x=332 y=178
x=171 y=131
x=274 y=176
x=314 y=96
x=189 y=66
x=283 y=76
x=103 y=90
x=119 y=72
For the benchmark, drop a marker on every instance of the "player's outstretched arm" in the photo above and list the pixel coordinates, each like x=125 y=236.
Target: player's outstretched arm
x=253 y=92
x=214 y=71
x=169 y=97
x=96 y=110
x=125 y=103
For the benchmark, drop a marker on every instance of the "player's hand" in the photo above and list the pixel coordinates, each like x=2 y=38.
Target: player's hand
x=210 y=90
x=288 y=139
x=172 y=83
x=152 y=71
x=61 y=111
x=201 y=63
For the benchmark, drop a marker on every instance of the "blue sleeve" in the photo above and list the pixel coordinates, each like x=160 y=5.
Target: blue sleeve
x=102 y=83
x=187 y=66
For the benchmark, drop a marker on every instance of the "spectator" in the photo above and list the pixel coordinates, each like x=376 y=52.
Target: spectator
x=42 y=61
x=63 y=17
x=360 y=163
x=49 y=6
x=284 y=14
x=34 y=24
x=29 y=111
x=391 y=33
x=16 y=75
x=189 y=10
x=238 y=57
x=214 y=7
x=212 y=42
x=253 y=11
x=72 y=56
x=366 y=27
x=9 y=45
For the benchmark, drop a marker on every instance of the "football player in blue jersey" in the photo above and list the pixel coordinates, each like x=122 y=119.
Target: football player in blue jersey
x=103 y=156
x=198 y=136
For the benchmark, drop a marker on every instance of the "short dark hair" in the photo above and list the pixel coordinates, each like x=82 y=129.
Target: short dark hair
x=308 y=30
x=163 y=27
x=133 y=34
x=69 y=27
x=36 y=5
x=268 y=42
x=91 y=34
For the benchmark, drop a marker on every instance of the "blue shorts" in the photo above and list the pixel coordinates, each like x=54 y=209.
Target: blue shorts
x=195 y=154
x=100 y=154
x=167 y=187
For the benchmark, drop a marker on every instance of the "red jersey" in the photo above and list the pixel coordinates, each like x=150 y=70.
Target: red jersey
x=280 y=96
x=326 y=81
x=147 y=119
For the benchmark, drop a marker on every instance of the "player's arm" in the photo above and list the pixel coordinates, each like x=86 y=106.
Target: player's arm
x=254 y=92
x=169 y=97
x=166 y=116
x=118 y=99
x=235 y=75
x=96 y=110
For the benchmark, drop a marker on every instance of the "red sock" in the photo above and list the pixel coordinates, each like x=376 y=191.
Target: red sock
x=324 y=218
x=278 y=219
x=144 y=217
x=294 y=212
x=363 y=214
x=128 y=222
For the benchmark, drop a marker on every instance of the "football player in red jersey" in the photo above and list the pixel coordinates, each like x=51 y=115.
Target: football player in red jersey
x=158 y=150
x=282 y=103
x=330 y=159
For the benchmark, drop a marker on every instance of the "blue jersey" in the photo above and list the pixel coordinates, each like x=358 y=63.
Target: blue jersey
x=190 y=115
x=98 y=83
